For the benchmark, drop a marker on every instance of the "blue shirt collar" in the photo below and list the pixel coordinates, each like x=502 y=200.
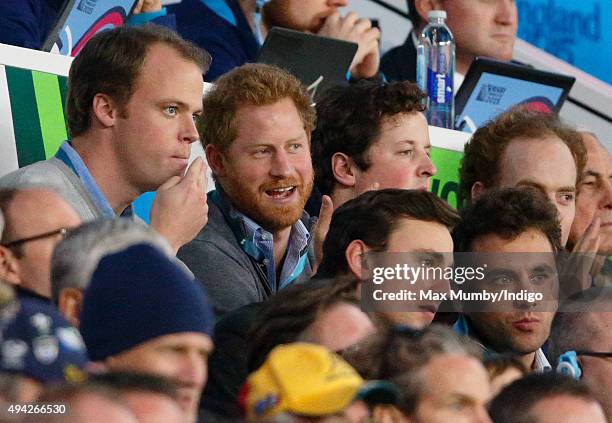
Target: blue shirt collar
x=258 y=243
x=71 y=158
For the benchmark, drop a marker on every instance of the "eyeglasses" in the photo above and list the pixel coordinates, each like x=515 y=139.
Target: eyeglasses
x=63 y=232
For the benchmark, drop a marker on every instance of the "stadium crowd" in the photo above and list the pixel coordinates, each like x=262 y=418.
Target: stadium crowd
x=249 y=303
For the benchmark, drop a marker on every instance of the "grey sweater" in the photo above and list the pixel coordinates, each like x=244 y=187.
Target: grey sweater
x=230 y=276
x=55 y=175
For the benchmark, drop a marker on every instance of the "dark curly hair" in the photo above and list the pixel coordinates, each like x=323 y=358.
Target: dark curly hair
x=508 y=213
x=349 y=121
x=483 y=154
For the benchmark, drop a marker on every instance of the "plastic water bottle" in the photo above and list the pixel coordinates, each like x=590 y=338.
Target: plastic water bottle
x=436 y=68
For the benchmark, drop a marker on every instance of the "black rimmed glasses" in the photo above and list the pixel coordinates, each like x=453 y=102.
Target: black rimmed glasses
x=63 y=232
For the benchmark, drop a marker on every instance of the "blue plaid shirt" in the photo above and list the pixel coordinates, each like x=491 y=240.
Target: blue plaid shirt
x=295 y=257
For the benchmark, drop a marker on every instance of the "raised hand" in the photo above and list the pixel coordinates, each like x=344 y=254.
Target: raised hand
x=180 y=211
x=583 y=263
x=360 y=31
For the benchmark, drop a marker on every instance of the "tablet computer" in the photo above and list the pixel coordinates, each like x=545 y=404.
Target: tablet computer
x=319 y=62
x=492 y=87
x=79 y=20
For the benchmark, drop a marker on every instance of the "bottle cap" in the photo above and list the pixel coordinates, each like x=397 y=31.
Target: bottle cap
x=436 y=14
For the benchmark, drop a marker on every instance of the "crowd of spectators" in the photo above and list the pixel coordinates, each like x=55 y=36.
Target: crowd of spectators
x=253 y=302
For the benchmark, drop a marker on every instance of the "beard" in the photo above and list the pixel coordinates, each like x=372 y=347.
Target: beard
x=278 y=13
x=257 y=207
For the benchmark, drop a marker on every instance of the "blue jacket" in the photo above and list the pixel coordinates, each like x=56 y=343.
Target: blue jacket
x=26 y=23
x=229 y=39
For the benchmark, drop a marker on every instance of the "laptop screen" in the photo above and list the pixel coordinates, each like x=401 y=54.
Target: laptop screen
x=82 y=19
x=319 y=62
x=495 y=94
x=492 y=87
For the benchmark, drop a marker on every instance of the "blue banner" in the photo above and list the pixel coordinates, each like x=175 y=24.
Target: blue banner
x=577 y=32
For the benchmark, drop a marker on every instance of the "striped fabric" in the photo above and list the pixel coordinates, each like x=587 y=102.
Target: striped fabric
x=36 y=103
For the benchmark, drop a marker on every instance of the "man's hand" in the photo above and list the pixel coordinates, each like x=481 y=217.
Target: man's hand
x=145 y=6
x=180 y=211
x=583 y=263
x=321 y=228
x=360 y=31
x=588 y=245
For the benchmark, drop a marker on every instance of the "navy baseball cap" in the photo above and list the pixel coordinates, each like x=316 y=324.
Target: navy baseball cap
x=41 y=344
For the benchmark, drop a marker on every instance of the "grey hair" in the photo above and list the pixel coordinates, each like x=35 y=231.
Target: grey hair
x=76 y=258
x=437 y=341
x=400 y=354
x=392 y=352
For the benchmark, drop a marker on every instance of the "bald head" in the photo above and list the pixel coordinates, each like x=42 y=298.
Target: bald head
x=35 y=221
x=83 y=403
x=96 y=409
x=339 y=327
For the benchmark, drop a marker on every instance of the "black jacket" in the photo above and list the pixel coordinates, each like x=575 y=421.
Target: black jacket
x=399 y=63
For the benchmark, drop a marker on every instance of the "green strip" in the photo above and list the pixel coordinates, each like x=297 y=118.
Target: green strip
x=25 y=116
x=50 y=111
x=445 y=183
x=63 y=85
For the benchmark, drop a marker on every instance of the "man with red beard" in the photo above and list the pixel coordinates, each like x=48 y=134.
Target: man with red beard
x=256 y=133
x=514 y=235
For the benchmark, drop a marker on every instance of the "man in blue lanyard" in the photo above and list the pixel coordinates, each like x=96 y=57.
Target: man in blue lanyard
x=131 y=108
x=512 y=236
x=256 y=132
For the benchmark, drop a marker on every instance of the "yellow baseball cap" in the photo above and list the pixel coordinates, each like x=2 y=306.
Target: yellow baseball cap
x=300 y=378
